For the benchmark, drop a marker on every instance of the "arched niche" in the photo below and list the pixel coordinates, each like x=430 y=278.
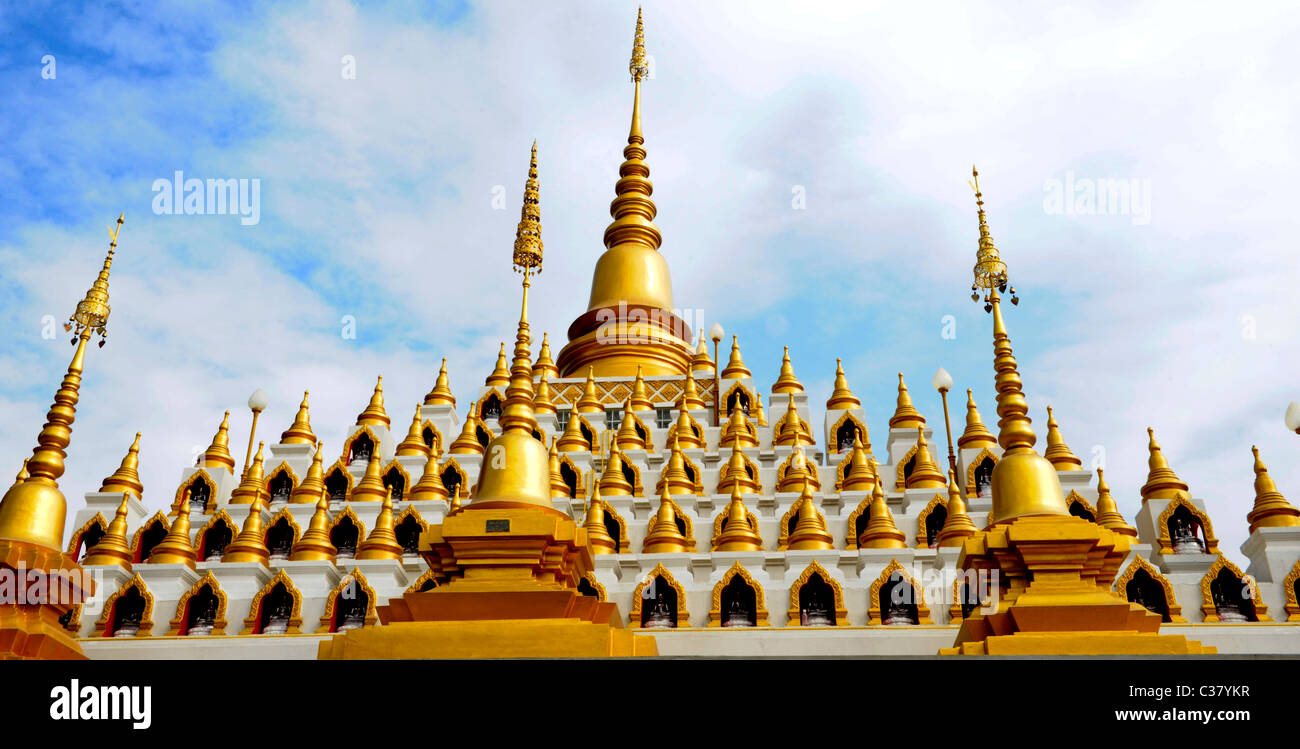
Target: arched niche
x=358 y=440
x=148 y=535
x=87 y=536
x=408 y=526
x=211 y=541
x=346 y=531
x=203 y=493
x=737 y=393
x=847 y=426
x=753 y=603
x=590 y=586
x=451 y=471
x=282 y=532
x=1291 y=594
x=339 y=482
x=857 y=523
x=814 y=477
x=725 y=479
x=426 y=582
x=616 y=527
x=573 y=477
x=1080 y=507
x=278 y=600
x=202 y=606
x=129 y=606
x=816 y=593
x=788 y=523
x=490 y=405
x=1225 y=584
x=1143 y=584
x=881 y=600
x=905 y=466
x=659 y=582
x=930 y=521
x=395 y=477
x=1164 y=539
x=979 y=475
x=353 y=596
x=280 y=484
x=430 y=435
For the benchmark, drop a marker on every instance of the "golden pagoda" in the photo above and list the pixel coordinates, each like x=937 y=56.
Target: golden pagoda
x=701 y=361
x=113 y=548
x=218 y=453
x=664 y=536
x=735 y=473
x=542 y=401
x=430 y=485
x=590 y=403
x=382 y=541
x=250 y=544
x=673 y=478
x=859 y=476
x=786 y=382
x=1108 y=515
x=253 y=486
x=612 y=480
x=735 y=368
x=841 y=396
x=598 y=539
x=791 y=429
x=544 y=366
x=374 y=413
x=958 y=526
x=441 y=394
x=1057 y=452
x=810 y=527
x=312 y=486
x=639 y=400
x=126 y=478
x=1271 y=509
x=976 y=434
x=299 y=432
x=176 y=547
x=925 y=473
x=413 y=444
x=690 y=398
x=314 y=544
x=371 y=487
x=573 y=440
x=905 y=415
x=738 y=431
x=466 y=443
x=881 y=531
x=1162 y=482
x=738 y=532
x=500 y=376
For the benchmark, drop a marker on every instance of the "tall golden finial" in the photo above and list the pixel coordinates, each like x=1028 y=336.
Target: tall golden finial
x=702 y=361
x=637 y=66
x=1024 y=482
x=976 y=433
x=126 y=478
x=527 y=260
x=589 y=402
x=35 y=510
x=113 y=547
x=1162 y=482
x=735 y=365
x=176 y=547
x=528 y=236
x=905 y=414
x=841 y=396
x=441 y=394
x=374 y=413
x=1108 y=515
x=598 y=538
x=786 y=382
x=1271 y=509
x=501 y=372
x=312 y=486
x=1057 y=451
x=958 y=525
x=414 y=442
x=545 y=364
x=300 y=432
x=218 y=453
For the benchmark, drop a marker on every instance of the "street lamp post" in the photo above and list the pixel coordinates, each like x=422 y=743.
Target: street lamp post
x=257 y=403
x=943 y=383
x=715 y=333
x=1293 y=417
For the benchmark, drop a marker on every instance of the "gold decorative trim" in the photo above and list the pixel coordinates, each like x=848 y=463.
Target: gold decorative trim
x=416 y=586
x=146 y=617
x=464 y=477
x=638 y=489
x=75 y=541
x=338 y=518
x=341 y=466
x=283 y=467
x=623 y=544
x=253 y=621
x=200 y=474
x=722 y=470
x=327 y=623
x=686 y=520
x=1162 y=526
x=221 y=516
x=159 y=518
x=1291 y=606
x=481 y=416
x=721 y=516
x=814 y=477
x=580 y=481
x=661 y=572
x=406 y=477
x=1209 y=610
x=850 y=532
x=601 y=595
x=293 y=525
x=1077 y=497
x=347 y=446
x=900 y=481
x=726 y=398
x=73 y=626
x=954 y=608
x=873 y=603
x=841 y=613
x=975 y=463
x=437 y=435
x=833 y=444
x=939 y=500
x=1171 y=601
x=176 y=626
x=760 y=607
x=568 y=391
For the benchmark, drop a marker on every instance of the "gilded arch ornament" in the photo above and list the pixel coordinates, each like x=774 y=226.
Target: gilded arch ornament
x=938 y=500
x=623 y=544
x=841 y=614
x=833 y=443
x=480 y=414
x=814 y=477
x=437 y=435
x=418 y=585
x=661 y=572
x=580 y=481
x=452 y=463
x=692 y=473
x=1162 y=526
x=1208 y=608
x=638 y=490
x=696 y=431
x=158 y=518
x=686 y=521
x=1171 y=601
x=850 y=533
x=1292 y=606
x=726 y=398
x=276 y=518
x=721 y=516
x=73 y=625
x=220 y=517
x=203 y=476
x=760 y=608
x=1075 y=496
x=892 y=570
x=282 y=468
x=102 y=625
x=327 y=623
x=401 y=471
x=783 y=537
x=974 y=464
x=347 y=513
x=900 y=481
x=341 y=466
x=253 y=621
x=176 y=626
x=601 y=595
x=347 y=446
x=724 y=482
x=74 y=543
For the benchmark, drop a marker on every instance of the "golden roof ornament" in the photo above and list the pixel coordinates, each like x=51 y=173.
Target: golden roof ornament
x=958 y=526
x=842 y=398
x=299 y=432
x=558 y=487
x=1057 y=451
x=312 y=486
x=673 y=476
x=1108 y=515
x=1271 y=509
x=612 y=480
x=544 y=363
x=737 y=534
x=22 y=472
x=628 y=437
x=881 y=532
x=734 y=473
x=542 y=401
x=528 y=236
x=925 y=473
x=315 y=544
x=382 y=541
x=685 y=432
x=430 y=485
x=500 y=376
x=572 y=440
x=761 y=415
x=34 y=511
x=976 y=434
x=1024 y=482
x=371 y=486
x=218 y=453
x=639 y=400
x=786 y=382
x=735 y=368
x=905 y=415
x=1162 y=482
x=791 y=429
x=810 y=527
x=690 y=397
x=664 y=536
x=374 y=415
x=126 y=478
x=738 y=430
x=701 y=361
x=797 y=473
x=250 y=544
x=598 y=538
x=176 y=547
x=590 y=403
x=466 y=443
x=441 y=394
x=414 y=442
x=859 y=477
x=113 y=547
x=253 y=485
x=456 y=503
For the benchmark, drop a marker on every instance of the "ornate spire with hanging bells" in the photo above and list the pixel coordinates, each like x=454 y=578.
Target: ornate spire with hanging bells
x=500 y=376
x=976 y=434
x=737 y=534
x=176 y=547
x=544 y=364
x=218 y=453
x=1108 y=515
x=735 y=368
x=1271 y=509
x=312 y=486
x=810 y=527
x=589 y=402
x=299 y=432
x=441 y=394
x=126 y=478
x=382 y=541
x=786 y=382
x=253 y=485
x=374 y=415
x=1024 y=482
x=113 y=547
x=925 y=473
x=1162 y=482
x=34 y=511
x=414 y=442
x=905 y=415
x=315 y=544
x=1057 y=451
x=958 y=526
x=842 y=398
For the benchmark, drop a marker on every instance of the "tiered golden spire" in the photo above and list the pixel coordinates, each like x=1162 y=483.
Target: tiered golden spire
x=737 y=534
x=467 y=441
x=34 y=511
x=976 y=434
x=1024 y=482
x=738 y=430
x=374 y=414
x=702 y=362
x=810 y=527
x=299 y=432
x=663 y=536
x=312 y=486
x=382 y=541
x=544 y=364
x=639 y=400
x=905 y=415
x=628 y=437
x=797 y=473
x=1271 y=509
x=113 y=547
x=598 y=538
x=1057 y=451
x=761 y=415
x=734 y=473
x=250 y=544
x=218 y=453
x=126 y=478
x=881 y=531
x=253 y=485
x=589 y=402
x=176 y=547
x=441 y=394
x=1162 y=482
x=612 y=480
x=430 y=485
x=786 y=382
x=842 y=398
x=500 y=376
x=859 y=477
x=690 y=397
x=674 y=476
x=925 y=473
x=684 y=430
x=414 y=442
x=1108 y=515
x=315 y=545
x=543 y=403
x=371 y=486
x=572 y=440
x=735 y=368
x=958 y=526
x=791 y=430
x=558 y=487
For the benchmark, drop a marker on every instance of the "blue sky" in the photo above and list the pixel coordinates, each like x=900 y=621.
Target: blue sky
x=377 y=191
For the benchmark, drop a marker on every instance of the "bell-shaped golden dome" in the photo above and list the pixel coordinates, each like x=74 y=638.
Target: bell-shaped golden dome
x=958 y=527
x=976 y=434
x=598 y=538
x=466 y=443
x=516 y=466
x=738 y=430
x=1108 y=515
x=589 y=402
x=113 y=547
x=315 y=545
x=702 y=362
x=126 y=478
x=842 y=398
x=312 y=486
x=544 y=364
x=792 y=430
x=430 y=485
x=441 y=394
x=925 y=473
x=612 y=480
x=673 y=478
x=1271 y=509
x=810 y=527
x=664 y=536
x=542 y=400
x=374 y=414
x=786 y=382
x=414 y=442
x=735 y=368
x=299 y=432
x=859 y=477
x=218 y=453
x=690 y=397
x=1057 y=451
x=905 y=415
x=500 y=376
x=176 y=547
x=250 y=544
x=1162 y=482
x=737 y=534
x=736 y=473
x=253 y=485
x=371 y=486
x=382 y=541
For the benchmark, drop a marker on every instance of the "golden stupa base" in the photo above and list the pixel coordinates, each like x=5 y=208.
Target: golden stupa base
x=1055 y=575
x=33 y=631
